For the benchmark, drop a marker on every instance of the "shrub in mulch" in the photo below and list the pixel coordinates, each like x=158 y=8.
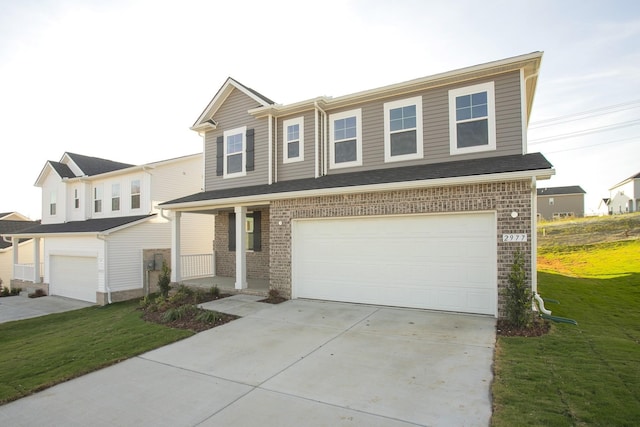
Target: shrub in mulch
x=536 y=328
x=179 y=309
x=274 y=297
x=6 y=292
x=38 y=293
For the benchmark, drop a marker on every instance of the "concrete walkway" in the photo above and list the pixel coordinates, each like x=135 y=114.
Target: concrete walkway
x=20 y=307
x=299 y=363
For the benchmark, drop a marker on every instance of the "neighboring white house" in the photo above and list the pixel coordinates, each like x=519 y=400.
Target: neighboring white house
x=101 y=228
x=12 y=222
x=625 y=196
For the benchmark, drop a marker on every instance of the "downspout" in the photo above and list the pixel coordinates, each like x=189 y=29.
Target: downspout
x=270 y=149
x=106 y=264
x=275 y=165
x=163 y=215
x=534 y=240
x=316 y=141
x=323 y=124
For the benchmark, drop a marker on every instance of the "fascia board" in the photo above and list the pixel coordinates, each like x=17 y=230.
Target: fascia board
x=405 y=185
x=41 y=177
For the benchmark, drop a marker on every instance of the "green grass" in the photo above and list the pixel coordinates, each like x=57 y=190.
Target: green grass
x=585 y=375
x=38 y=353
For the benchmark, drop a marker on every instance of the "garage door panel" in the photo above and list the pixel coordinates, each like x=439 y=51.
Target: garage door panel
x=74 y=277
x=444 y=262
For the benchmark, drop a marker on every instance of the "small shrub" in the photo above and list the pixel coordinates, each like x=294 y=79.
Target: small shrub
x=38 y=293
x=207 y=316
x=274 y=293
x=518 y=296
x=177 y=313
x=164 y=281
x=16 y=291
x=215 y=291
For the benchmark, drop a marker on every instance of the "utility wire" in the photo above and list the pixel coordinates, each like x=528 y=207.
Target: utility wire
x=586 y=114
x=585 y=132
x=591 y=146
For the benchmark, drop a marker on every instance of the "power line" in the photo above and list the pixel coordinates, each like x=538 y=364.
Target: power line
x=586 y=114
x=591 y=146
x=585 y=132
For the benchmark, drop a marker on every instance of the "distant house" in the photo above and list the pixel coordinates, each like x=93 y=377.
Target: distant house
x=11 y=222
x=561 y=202
x=624 y=197
x=102 y=232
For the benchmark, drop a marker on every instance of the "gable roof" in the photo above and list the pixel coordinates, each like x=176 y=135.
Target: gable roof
x=403 y=176
x=95 y=165
x=64 y=171
x=10 y=226
x=102 y=225
x=205 y=121
x=631 y=178
x=557 y=191
x=17 y=216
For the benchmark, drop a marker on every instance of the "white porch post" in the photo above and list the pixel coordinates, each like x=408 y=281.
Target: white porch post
x=176 y=274
x=36 y=260
x=241 y=247
x=14 y=245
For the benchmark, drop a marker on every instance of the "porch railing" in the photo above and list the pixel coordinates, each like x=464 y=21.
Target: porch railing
x=26 y=272
x=199 y=265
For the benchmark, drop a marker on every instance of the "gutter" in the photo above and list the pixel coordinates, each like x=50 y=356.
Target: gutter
x=106 y=263
x=323 y=122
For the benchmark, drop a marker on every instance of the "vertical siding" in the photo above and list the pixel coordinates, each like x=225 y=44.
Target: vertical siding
x=233 y=114
x=306 y=168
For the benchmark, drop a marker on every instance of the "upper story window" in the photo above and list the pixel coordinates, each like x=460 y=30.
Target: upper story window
x=293 y=140
x=345 y=131
x=76 y=199
x=403 y=130
x=551 y=201
x=135 y=194
x=472 y=119
x=234 y=152
x=97 y=199
x=53 y=198
x=115 y=197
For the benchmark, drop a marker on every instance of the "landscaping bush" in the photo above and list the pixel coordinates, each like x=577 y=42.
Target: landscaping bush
x=164 y=281
x=38 y=293
x=518 y=298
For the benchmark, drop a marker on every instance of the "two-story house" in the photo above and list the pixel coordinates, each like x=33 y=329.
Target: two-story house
x=415 y=194
x=561 y=202
x=624 y=197
x=102 y=231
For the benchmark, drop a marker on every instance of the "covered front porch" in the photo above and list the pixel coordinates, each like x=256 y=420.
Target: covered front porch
x=227 y=285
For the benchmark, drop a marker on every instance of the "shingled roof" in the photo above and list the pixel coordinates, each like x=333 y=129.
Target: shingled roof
x=556 y=191
x=461 y=168
x=95 y=165
x=88 y=226
x=9 y=226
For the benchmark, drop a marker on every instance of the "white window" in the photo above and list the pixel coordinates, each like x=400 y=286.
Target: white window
x=97 y=199
x=345 y=132
x=293 y=140
x=235 y=152
x=551 y=201
x=135 y=194
x=76 y=199
x=53 y=203
x=115 y=197
x=472 y=119
x=403 y=130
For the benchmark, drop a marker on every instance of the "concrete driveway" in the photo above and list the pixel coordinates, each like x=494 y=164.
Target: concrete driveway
x=19 y=307
x=299 y=363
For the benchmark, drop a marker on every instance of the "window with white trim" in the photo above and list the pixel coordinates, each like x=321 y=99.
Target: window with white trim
x=115 y=197
x=135 y=194
x=345 y=133
x=53 y=203
x=76 y=199
x=234 y=152
x=97 y=199
x=403 y=130
x=472 y=119
x=293 y=140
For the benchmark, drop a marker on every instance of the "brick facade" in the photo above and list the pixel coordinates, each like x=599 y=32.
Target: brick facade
x=257 y=261
x=500 y=197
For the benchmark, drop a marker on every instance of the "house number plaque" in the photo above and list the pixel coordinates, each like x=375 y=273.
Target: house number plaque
x=514 y=237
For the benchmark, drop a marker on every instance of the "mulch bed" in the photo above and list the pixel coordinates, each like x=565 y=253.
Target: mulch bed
x=189 y=322
x=538 y=328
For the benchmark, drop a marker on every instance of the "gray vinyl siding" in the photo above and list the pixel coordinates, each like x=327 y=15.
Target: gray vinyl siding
x=435 y=111
x=305 y=168
x=233 y=114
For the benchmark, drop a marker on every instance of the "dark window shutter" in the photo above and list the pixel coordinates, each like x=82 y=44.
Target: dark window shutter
x=257 y=231
x=219 y=156
x=250 y=150
x=232 y=232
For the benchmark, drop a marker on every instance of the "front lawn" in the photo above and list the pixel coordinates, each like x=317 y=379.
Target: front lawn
x=40 y=352
x=577 y=375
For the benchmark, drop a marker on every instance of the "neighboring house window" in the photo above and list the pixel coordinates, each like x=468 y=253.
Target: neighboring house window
x=76 y=199
x=253 y=231
x=345 y=131
x=97 y=199
x=551 y=201
x=115 y=197
x=234 y=152
x=135 y=194
x=53 y=203
x=403 y=130
x=293 y=140
x=472 y=121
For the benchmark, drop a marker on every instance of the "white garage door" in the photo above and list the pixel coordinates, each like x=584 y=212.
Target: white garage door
x=440 y=262
x=74 y=277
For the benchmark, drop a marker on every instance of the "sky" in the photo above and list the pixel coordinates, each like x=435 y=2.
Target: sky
x=124 y=80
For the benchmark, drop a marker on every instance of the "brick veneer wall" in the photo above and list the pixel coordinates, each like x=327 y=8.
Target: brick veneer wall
x=501 y=197
x=257 y=262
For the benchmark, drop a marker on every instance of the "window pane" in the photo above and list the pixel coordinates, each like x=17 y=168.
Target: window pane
x=396 y=125
x=463 y=101
x=479 y=98
x=249 y=234
x=350 y=122
x=293 y=132
x=234 y=143
x=346 y=151
x=135 y=201
x=409 y=122
x=293 y=150
x=473 y=134
x=479 y=111
x=234 y=163
x=135 y=186
x=395 y=113
x=409 y=111
x=97 y=206
x=350 y=132
x=403 y=143
x=463 y=113
x=115 y=204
